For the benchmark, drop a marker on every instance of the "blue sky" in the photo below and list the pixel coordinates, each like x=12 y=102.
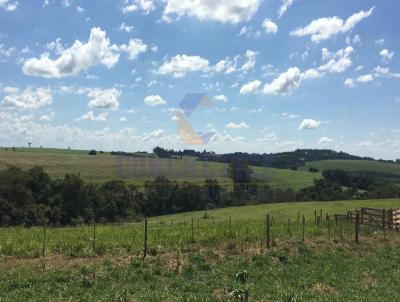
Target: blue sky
x=281 y=74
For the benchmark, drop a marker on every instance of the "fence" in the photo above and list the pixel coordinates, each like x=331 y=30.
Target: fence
x=381 y=218
x=152 y=237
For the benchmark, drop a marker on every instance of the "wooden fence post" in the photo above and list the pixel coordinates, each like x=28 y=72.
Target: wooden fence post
x=44 y=240
x=192 y=231
x=94 y=237
x=341 y=232
x=320 y=215
x=298 y=217
x=357 y=230
x=303 y=223
x=268 y=233
x=315 y=217
x=145 y=238
x=329 y=227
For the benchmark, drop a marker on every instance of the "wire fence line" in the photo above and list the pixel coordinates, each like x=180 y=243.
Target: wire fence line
x=152 y=237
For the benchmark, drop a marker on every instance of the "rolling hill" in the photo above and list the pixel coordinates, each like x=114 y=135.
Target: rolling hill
x=385 y=170
x=104 y=166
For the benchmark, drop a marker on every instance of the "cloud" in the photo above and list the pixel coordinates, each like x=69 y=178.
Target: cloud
x=123 y=119
x=232 y=11
x=365 y=78
x=336 y=62
x=386 y=55
x=271 y=137
x=144 y=5
x=28 y=99
x=221 y=98
x=269 y=26
x=307 y=124
x=9 y=5
x=102 y=117
x=311 y=73
x=126 y=28
x=284 y=7
x=241 y=125
x=104 y=98
x=325 y=140
x=154 y=134
x=380 y=42
x=325 y=28
x=349 y=82
x=80 y=9
x=134 y=48
x=5 y=52
x=180 y=65
x=79 y=57
x=154 y=100
x=251 y=60
x=250 y=87
x=286 y=82
x=251 y=111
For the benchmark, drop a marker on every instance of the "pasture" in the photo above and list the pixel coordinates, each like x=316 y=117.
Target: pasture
x=379 y=169
x=213 y=256
x=104 y=167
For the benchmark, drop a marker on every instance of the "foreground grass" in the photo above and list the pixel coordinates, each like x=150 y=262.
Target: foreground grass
x=200 y=265
x=292 y=272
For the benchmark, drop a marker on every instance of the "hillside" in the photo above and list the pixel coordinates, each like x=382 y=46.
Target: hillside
x=385 y=170
x=282 y=211
x=104 y=166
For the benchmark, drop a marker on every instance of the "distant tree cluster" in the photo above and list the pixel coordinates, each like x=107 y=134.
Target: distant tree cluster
x=285 y=160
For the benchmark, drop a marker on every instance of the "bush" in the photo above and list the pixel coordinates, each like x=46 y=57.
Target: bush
x=312 y=169
x=92 y=152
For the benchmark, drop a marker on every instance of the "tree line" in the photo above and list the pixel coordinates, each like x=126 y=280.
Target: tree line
x=32 y=197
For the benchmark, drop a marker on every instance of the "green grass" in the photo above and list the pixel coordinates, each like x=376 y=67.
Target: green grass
x=104 y=167
x=180 y=267
x=284 y=211
x=379 y=169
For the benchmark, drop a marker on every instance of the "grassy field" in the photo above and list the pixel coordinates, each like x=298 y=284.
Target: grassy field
x=214 y=262
x=104 y=167
x=379 y=169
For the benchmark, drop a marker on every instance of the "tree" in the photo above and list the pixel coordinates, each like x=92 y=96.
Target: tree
x=92 y=152
x=240 y=173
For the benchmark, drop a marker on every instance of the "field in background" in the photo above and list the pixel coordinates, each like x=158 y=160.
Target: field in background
x=379 y=169
x=104 y=167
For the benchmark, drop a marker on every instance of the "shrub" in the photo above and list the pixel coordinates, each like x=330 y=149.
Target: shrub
x=92 y=152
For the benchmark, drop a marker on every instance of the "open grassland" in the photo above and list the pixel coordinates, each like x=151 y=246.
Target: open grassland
x=284 y=211
x=375 y=168
x=168 y=232
x=104 y=167
x=219 y=259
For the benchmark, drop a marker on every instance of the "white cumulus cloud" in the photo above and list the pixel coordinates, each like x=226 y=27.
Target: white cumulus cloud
x=104 y=98
x=9 y=5
x=285 y=83
x=241 y=125
x=221 y=98
x=324 y=28
x=180 y=65
x=232 y=11
x=269 y=26
x=90 y=116
x=28 y=99
x=154 y=100
x=284 y=7
x=336 y=62
x=325 y=140
x=386 y=55
x=307 y=124
x=79 y=57
x=250 y=87
x=134 y=48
